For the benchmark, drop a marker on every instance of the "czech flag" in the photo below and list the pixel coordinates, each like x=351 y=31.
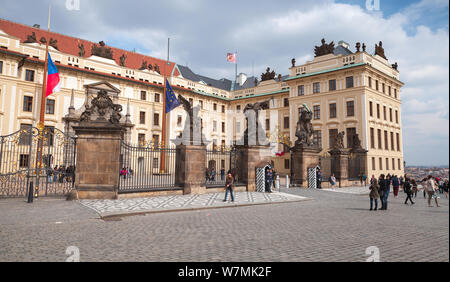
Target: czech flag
x=53 y=82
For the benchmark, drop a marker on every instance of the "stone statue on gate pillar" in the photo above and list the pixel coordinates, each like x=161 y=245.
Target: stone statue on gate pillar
x=258 y=132
x=304 y=154
x=304 y=130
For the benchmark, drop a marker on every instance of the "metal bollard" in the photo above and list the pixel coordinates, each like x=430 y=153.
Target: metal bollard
x=287 y=182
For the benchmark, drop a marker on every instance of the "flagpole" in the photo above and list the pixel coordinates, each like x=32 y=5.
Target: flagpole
x=163 y=142
x=41 y=125
x=235 y=71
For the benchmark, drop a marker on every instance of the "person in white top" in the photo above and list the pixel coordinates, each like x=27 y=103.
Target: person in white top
x=430 y=188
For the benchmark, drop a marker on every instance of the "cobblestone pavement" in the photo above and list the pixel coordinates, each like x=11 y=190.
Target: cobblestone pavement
x=332 y=227
x=184 y=202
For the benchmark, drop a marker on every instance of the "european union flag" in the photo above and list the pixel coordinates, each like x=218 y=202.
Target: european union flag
x=171 y=100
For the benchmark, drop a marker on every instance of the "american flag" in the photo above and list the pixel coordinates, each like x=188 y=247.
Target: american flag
x=231 y=57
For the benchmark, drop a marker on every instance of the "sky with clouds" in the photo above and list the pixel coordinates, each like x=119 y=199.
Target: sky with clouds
x=269 y=33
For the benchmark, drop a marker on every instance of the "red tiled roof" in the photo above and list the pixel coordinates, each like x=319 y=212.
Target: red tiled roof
x=69 y=45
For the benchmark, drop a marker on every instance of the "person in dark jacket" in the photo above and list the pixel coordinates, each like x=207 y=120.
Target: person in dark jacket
x=229 y=186
x=396 y=185
x=319 y=179
x=408 y=190
x=383 y=190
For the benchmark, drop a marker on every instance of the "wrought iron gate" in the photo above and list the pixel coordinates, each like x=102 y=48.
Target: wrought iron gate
x=147 y=168
x=19 y=162
x=218 y=163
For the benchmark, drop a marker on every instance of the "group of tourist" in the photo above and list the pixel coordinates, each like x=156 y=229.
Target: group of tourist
x=61 y=173
x=126 y=172
x=380 y=189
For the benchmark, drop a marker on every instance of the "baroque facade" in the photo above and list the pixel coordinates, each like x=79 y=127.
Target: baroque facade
x=353 y=92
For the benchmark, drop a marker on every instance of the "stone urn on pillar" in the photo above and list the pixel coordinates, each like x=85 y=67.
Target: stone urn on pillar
x=305 y=153
x=99 y=134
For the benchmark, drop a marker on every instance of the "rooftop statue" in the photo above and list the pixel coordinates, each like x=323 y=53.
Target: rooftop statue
x=102 y=51
x=324 y=49
x=122 y=60
x=379 y=50
x=31 y=38
x=268 y=75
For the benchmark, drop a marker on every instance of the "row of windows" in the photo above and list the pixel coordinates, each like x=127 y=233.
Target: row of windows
x=142 y=139
x=350 y=110
x=378 y=109
x=142 y=118
x=144 y=96
x=383 y=88
x=28 y=105
x=25 y=139
x=387 y=163
x=331 y=86
x=394 y=140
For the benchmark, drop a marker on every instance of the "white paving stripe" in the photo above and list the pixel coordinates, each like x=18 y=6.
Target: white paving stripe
x=108 y=207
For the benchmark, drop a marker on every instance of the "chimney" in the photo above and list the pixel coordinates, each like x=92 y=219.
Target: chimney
x=343 y=44
x=241 y=79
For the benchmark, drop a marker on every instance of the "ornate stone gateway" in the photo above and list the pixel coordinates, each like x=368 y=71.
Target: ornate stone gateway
x=19 y=165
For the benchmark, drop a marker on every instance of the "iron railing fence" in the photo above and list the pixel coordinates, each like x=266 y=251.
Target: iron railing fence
x=146 y=168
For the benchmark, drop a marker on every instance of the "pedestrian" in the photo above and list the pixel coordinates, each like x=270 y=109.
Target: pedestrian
x=124 y=173
x=213 y=174
x=415 y=187
x=382 y=191
x=396 y=185
x=55 y=174
x=319 y=179
x=373 y=180
x=446 y=188
x=423 y=186
x=269 y=180
x=430 y=188
x=222 y=174
x=229 y=186
x=206 y=175
x=364 y=179
x=388 y=184
x=333 y=181
x=407 y=186
x=49 y=175
x=274 y=177
x=374 y=194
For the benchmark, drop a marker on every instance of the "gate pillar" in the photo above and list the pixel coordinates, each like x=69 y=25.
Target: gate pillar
x=250 y=158
x=339 y=166
x=97 y=161
x=302 y=158
x=191 y=168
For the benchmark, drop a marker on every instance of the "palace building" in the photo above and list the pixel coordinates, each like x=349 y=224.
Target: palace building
x=348 y=91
